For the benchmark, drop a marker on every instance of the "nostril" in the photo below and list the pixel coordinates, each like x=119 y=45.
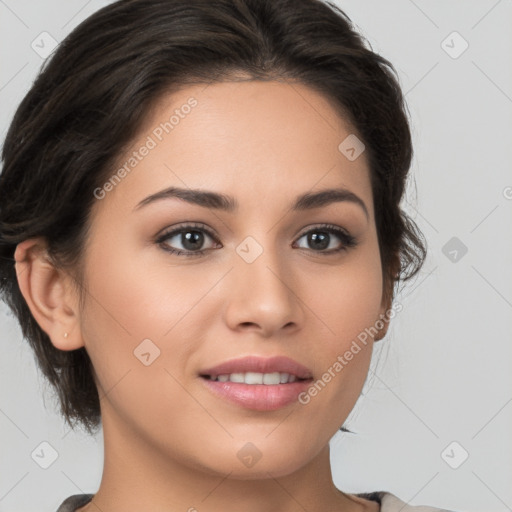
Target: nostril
x=248 y=324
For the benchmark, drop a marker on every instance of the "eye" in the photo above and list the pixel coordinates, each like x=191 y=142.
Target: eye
x=327 y=239
x=189 y=239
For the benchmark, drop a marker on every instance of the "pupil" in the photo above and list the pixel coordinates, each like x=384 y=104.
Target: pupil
x=319 y=240
x=192 y=240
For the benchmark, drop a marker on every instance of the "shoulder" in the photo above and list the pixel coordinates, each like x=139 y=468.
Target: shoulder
x=73 y=502
x=390 y=503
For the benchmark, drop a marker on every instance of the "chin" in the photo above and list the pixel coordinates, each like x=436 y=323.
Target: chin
x=250 y=461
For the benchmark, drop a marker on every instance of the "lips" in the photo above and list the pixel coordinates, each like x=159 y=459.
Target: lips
x=260 y=384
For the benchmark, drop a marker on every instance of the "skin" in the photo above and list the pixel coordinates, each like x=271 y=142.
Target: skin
x=170 y=444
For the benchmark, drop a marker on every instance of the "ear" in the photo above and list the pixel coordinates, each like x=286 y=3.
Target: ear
x=49 y=294
x=387 y=300
x=385 y=306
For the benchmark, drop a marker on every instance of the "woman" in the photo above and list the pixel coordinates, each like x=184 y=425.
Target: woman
x=201 y=202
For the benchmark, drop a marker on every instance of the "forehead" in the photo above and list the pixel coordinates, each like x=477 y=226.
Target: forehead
x=259 y=139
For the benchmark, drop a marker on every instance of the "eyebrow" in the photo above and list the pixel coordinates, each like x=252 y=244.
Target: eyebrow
x=218 y=201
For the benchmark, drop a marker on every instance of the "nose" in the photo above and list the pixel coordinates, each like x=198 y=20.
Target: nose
x=260 y=296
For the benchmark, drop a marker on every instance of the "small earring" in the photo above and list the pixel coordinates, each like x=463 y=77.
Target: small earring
x=65 y=335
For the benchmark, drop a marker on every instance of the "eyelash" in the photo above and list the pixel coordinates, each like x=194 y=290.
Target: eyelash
x=348 y=241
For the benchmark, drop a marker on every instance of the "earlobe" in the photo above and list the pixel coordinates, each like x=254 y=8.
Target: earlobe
x=48 y=294
x=382 y=323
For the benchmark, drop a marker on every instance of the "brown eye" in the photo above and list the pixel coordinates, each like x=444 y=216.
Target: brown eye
x=327 y=239
x=187 y=240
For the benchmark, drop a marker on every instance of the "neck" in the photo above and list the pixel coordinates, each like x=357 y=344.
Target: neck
x=138 y=476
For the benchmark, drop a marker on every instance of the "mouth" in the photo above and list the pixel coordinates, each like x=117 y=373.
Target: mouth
x=261 y=384
x=254 y=378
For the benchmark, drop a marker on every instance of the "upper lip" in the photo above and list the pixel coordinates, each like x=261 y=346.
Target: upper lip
x=281 y=364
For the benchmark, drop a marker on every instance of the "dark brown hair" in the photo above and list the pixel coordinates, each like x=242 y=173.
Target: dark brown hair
x=94 y=93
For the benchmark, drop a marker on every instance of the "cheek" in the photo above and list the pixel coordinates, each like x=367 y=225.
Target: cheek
x=130 y=301
x=124 y=309
x=141 y=297
x=345 y=305
x=346 y=300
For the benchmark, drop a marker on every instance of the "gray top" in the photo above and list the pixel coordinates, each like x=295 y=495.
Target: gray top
x=388 y=503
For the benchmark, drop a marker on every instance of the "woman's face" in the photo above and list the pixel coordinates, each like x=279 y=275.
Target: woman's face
x=266 y=278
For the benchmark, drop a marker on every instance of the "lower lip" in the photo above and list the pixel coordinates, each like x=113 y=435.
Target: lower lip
x=258 y=397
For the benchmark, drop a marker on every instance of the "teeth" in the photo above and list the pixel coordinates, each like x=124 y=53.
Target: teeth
x=269 y=379
x=253 y=378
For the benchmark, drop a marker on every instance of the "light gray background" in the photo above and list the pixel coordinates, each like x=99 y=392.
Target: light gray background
x=443 y=373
